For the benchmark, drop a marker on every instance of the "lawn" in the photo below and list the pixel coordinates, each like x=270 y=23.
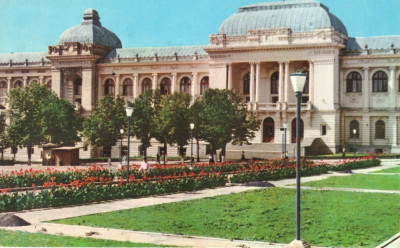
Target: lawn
x=390 y=170
x=329 y=218
x=25 y=239
x=360 y=181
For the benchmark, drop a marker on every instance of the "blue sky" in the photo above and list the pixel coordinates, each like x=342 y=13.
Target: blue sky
x=32 y=25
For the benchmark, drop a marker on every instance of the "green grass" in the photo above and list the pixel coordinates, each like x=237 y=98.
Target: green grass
x=360 y=181
x=358 y=155
x=25 y=239
x=390 y=170
x=329 y=218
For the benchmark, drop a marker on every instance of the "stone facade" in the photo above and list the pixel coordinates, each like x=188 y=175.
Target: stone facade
x=353 y=83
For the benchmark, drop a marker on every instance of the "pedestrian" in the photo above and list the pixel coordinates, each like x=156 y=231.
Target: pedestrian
x=158 y=158
x=211 y=159
x=243 y=158
x=145 y=166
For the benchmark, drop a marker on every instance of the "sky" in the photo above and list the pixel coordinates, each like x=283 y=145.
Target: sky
x=33 y=25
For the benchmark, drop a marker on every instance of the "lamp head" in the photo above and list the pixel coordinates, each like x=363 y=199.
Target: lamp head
x=121 y=130
x=129 y=111
x=285 y=125
x=354 y=131
x=192 y=126
x=298 y=80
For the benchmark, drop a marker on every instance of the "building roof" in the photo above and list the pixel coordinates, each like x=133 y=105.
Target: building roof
x=374 y=43
x=299 y=16
x=91 y=31
x=22 y=57
x=151 y=52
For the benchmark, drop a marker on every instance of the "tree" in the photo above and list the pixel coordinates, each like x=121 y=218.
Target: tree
x=103 y=127
x=143 y=119
x=195 y=118
x=37 y=115
x=225 y=119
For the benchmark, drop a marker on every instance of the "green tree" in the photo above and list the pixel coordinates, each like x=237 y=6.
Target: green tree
x=225 y=119
x=143 y=119
x=103 y=127
x=24 y=111
x=196 y=119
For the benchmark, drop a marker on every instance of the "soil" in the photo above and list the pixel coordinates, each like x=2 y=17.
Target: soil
x=259 y=184
x=12 y=220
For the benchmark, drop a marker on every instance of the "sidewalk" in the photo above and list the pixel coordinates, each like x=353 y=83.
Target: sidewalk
x=37 y=217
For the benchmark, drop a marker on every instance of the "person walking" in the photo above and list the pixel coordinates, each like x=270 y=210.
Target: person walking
x=145 y=166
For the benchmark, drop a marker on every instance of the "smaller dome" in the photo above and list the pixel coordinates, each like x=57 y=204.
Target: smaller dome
x=91 y=31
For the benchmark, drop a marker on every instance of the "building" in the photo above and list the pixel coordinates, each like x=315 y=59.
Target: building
x=353 y=83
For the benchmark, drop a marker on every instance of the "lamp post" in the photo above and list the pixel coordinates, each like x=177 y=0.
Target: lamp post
x=129 y=111
x=283 y=129
x=122 y=132
x=191 y=149
x=298 y=80
x=354 y=140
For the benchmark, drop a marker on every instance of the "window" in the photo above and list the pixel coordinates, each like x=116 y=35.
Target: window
x=275 y=83
x=354 y=125
x=165 y=86
x=380 y=129
x=18 y=84
x=185 y=85
x=306 y=88
x=353 y=82
x=109 y=87
x=146 y=85
x=246 y=84
x=268 y=130
x=204 y=84
x=127 y=87
x=323 y=130
x=380 y=82
x=3 y=89
x=78 y=87
x=48 y=85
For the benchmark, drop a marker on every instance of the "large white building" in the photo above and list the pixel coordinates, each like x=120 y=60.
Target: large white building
x=353 y=83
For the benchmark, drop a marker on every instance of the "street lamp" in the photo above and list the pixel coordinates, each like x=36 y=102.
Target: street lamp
x=129 y=111
x=191 y=150
x=354 y=139
x=122 y=132
x=298 y=80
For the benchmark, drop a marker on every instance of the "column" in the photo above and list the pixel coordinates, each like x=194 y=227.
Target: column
x=392 y=130
x=9 y=81
x=311 y=81
x=281 y=82
x=25 y=81
x=365 y=130
x=136 y=85
x=56 y=82
x=392 y=86
x=258 y=74
x=88 y=94
x=174 y=83
x=287 y=81
x=252 y=82
x=366 y=88
x=154 y=81
x=229 y=76
x=117 y=85
x=195 y=84
x=41 y=80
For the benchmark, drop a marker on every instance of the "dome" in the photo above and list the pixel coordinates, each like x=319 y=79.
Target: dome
x=300 y=16
x=90 y=31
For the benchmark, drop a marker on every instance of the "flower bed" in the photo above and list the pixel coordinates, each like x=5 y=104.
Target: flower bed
x=351 y=164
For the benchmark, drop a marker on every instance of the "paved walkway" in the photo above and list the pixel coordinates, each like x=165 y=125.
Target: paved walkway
x=38 y=217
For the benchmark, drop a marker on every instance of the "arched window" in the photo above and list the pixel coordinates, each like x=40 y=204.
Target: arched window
x=127 y=87
x=204 y=85
x=34 y=81
x=354 y=125
x=165 y=86
x=275 y=83
x=306 y=89
x=380 y=82
x=246 y=84
x=48 y=85
x=380 y=129
x=186 y=85
x=268 y=130
x=109 y=87
x=3 y=89
x=146 y=85
x=18 y=84
x=78 y=87
x=294 y=133
x=354 y=82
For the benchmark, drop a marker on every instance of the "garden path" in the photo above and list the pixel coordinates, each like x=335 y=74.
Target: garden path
x=37 y=217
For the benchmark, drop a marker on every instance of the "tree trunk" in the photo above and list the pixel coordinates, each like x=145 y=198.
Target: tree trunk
x=198 y=150
x=109 y=156
x=29 y=155
x=223 y=151
x=181 y=154
x=145 y=152
x=165 y=153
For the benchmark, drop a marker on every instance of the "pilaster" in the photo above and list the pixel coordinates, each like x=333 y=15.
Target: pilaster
x=252 y=88
x=281 y=82
x=174 y=82
x=287 y=64
x=117 y=85
x=258 y=74
x=229 y=76
x=154 y=81
x=135 y=85
x=194 y=84
x=392 y=86
x=366 y=88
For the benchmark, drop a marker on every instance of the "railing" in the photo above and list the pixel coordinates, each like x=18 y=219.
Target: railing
x=253 y=106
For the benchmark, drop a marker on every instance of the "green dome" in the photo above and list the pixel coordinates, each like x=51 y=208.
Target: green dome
x=300 y=16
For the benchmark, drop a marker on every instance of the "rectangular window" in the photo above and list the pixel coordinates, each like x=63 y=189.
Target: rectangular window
x=275 y=99
x=323 y=130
